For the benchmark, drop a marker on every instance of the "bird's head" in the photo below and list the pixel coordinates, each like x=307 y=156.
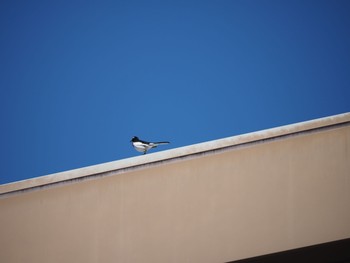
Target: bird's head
x=134 y=139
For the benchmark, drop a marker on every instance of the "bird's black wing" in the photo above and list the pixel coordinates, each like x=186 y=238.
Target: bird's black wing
x=144 y=142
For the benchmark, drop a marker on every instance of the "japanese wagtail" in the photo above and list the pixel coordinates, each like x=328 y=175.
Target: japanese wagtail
x=143 y=146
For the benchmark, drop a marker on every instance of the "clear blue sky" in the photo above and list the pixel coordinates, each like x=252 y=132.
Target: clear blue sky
x=80 y=78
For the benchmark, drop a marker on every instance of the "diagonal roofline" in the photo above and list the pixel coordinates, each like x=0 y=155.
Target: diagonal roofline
x=181 y=153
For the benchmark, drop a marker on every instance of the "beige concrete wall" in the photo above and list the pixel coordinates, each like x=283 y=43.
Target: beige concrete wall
x=224 y=205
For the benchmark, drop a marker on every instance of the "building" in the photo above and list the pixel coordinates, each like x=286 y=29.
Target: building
x=244 y=198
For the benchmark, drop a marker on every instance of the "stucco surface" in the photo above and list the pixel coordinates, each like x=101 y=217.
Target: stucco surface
x=227 y=205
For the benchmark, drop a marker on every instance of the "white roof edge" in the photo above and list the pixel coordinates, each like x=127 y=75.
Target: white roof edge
x=174 y=153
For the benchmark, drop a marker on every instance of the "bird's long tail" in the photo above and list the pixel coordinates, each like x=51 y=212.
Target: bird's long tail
x=159 y=143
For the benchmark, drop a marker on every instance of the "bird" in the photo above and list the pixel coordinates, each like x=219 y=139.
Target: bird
x=143 y=146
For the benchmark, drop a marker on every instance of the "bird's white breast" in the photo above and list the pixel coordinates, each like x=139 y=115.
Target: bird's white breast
x=140 y=147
